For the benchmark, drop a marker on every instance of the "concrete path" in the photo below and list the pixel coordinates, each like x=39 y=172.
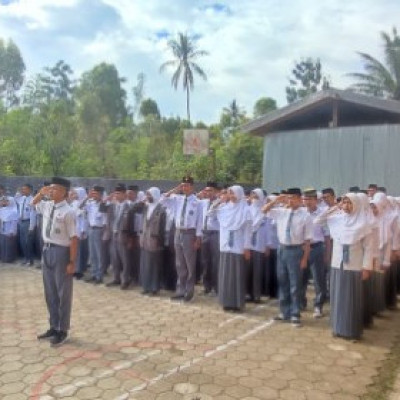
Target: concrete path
x=127 y=346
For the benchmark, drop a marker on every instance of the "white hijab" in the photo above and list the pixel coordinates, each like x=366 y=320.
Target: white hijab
x=232 y=216
x=155 y=194
x=385 y=217
x=141 y=196
x=350 y=228
x=372 y=221
x=255 y=208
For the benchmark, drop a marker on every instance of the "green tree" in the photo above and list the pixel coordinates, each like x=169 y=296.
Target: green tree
x=12 y=69
x=185 y=55
x=306 y=79
x=379 y=79
x=149 y=107
x=104 y=82
x=263 y=106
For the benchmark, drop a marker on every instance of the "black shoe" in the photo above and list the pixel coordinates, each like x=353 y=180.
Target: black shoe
x=188 y=297
x=125 y=286
x=78 y=275
x=98 y=281
x=177 y=297
x=281 y=318
x=58 y=339
x=48 y=334
x=113 y=283
x=90 y=279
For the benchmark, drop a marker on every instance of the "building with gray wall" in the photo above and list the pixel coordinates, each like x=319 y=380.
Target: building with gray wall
x=333 y=138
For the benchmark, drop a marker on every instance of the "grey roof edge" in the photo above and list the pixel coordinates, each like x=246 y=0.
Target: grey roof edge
x=392 y=106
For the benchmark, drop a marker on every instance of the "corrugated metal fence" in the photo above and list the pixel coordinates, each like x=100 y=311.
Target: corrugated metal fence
x=335 y=157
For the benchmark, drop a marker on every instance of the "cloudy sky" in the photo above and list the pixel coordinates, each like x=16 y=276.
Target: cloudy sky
x=252 y=43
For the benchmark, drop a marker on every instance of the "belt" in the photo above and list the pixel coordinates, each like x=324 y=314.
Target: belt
x=50 y=245
x=291 y=246
x=25 y=220
x=190 y=230
x=317 y=244
x=96 y=227
x=210 y=231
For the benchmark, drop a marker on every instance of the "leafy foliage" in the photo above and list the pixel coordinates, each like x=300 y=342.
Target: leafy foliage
x=379 y=79
x=306 y=79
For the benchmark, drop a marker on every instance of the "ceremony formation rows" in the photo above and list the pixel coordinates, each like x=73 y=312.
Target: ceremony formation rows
x=241 y=246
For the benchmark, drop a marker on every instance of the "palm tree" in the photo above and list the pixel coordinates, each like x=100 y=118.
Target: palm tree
x=379 y=79
x=185 y=53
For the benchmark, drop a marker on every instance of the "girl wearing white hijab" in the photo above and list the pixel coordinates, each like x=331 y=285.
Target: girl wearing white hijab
x=152 y=241
x=368 y=284
x=391 y=272
x=235 y=234
x=351 y=263
x=385 y=217
x=258 y=246
x=8 y=231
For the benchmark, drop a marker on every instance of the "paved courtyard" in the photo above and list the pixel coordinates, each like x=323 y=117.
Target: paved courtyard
x=127 y=346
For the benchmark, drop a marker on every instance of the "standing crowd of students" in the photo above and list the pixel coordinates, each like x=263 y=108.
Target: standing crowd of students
x=242 y=246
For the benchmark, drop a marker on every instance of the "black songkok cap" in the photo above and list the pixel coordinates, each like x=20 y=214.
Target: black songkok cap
x=28 y=185
x=187 y=179
x=382 y=189
x=56 y=180
x=310 y=193
x=99 y=189
x=372 y=186
x=46 y=183
x=328 y=191
x=283 y=191
x=212 y=184
x=121 y=187
x=294 y=191
x=134 y=188
x=354 y=189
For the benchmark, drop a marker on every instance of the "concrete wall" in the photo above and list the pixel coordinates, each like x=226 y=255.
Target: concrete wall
x=336 y=157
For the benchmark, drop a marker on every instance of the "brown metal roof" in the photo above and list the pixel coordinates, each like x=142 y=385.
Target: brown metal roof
x=316 y=111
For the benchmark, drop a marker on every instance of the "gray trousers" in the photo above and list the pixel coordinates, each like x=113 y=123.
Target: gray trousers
x=185 y=261
x=210 y=260
x=119 y=260
x=317 y=268
x=57 y=286
x=95 y=243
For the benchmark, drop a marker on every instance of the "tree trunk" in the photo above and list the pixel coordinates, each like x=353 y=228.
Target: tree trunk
x=187 y=102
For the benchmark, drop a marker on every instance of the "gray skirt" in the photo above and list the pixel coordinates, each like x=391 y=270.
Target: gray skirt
x=232 y=281
x=150 y=270
x=379 y=304
x=346 y=303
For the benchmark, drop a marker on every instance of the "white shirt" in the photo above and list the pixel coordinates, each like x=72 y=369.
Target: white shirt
x=272 y=233
x=301 y=227
x=94 y=216
x=319 y=231
x=63 y=227
x=259 y=238
x=192 y=219
x=26 y=210
x=210 y=222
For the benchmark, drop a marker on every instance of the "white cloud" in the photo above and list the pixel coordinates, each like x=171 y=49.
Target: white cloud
x=252 y=44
